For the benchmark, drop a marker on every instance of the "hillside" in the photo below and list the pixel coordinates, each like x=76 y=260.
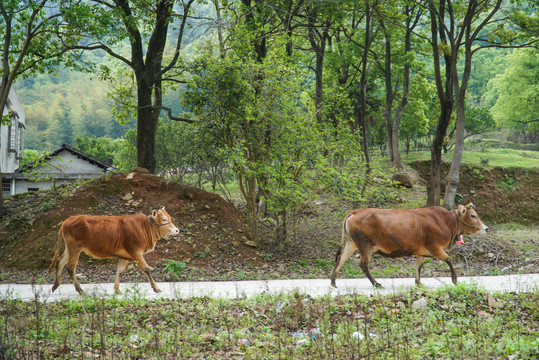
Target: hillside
x=213 y=242
x=209 y=226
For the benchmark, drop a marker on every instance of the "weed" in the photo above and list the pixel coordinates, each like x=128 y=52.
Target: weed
x=457 y=323
x=509 y=184
x=175 y=267
x=48 y=205
x=199 y=254
x=20 y=221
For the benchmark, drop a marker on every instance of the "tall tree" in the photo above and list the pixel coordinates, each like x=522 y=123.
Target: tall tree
x=363 y=37
x=443 y=26
x=412 y=14
x=469 y=31
x=145 y=25
x=478 y=16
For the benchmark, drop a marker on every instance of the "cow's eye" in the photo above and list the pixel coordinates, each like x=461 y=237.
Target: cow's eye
x=473 y=216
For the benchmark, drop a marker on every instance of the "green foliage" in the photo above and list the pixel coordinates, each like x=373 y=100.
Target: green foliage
x=478 y=120
x=175 y=267
x=509 y=184
x=516 y=106
x=252 y=113
x=102 y=148
x=67 y=111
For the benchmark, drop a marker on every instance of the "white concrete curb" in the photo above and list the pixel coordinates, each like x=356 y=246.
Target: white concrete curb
x=239 y=289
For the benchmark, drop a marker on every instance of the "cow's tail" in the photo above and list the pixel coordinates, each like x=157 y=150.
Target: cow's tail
x=344 y=237
x=57 y=252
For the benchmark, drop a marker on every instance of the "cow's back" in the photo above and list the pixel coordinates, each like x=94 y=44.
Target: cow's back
x=399 y=231
x=106 y=236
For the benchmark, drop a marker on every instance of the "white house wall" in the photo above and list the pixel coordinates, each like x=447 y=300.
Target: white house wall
x=66 y=167
x=8 y=160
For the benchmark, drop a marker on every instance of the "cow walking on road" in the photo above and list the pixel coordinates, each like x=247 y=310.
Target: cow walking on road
x=126 y=237
x=424 y=232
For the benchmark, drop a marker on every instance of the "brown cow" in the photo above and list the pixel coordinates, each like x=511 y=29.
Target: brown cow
x=126 y=237
x=425 y=232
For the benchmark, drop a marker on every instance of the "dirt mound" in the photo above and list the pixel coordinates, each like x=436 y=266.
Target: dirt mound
x=208 y=225
x=501 y=195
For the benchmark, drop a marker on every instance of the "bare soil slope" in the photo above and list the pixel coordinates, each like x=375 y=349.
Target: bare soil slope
x=212 y=231
x=214 y=244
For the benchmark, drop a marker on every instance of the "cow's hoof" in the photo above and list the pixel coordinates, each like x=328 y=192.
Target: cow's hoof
x=157 y=291
x=117 y=292
x=333 y=284
x=54 y=287
x=378 y=286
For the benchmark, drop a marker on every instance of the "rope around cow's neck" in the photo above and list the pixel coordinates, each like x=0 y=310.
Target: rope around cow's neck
x=464 y=222
x=152 y=221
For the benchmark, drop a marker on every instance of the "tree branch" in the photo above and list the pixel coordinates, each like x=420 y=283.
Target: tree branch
x=171 y=117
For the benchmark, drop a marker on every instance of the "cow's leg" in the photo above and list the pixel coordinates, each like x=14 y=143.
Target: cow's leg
x=364 y=260
x=59 y=268
x=72 y=267
x=442 y=255
x=147 y=270
x=343 y=254
x=122 y=264
x=420 y=261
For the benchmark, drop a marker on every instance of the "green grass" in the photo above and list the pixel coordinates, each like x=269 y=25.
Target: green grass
x=523 y=237
x=460 y=322
x=506 y=158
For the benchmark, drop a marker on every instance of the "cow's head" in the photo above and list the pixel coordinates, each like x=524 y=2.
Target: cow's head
x=469 y=220
x=163 y=221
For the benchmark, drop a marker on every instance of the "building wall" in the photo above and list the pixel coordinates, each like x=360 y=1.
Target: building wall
x=9 y=161
x=64 y=168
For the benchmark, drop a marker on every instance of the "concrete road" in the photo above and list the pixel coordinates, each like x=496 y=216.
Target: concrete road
x=237 y=289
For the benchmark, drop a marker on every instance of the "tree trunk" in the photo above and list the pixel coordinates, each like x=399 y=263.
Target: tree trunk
x=452 y=180
x=433 y=193
x=389 y=98
x=146 y=125
x=446 y=97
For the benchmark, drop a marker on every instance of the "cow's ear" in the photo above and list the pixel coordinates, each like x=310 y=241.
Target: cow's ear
x=163 y=208
x=463 y=211
x=154 y=214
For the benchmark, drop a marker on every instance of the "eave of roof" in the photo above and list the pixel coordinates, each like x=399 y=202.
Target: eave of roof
x=54 y=153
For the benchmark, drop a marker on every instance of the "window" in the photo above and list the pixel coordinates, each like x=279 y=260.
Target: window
x=12 y=132
x=6 y=186
x=20 y=152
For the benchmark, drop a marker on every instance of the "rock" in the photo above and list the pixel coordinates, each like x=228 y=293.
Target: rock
x=492 y=302
x=281 y=268
x=250 y=243
x=420 y=304
x=127 y=197
x=484 y=314
x=140 y=169
x=402 y=179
